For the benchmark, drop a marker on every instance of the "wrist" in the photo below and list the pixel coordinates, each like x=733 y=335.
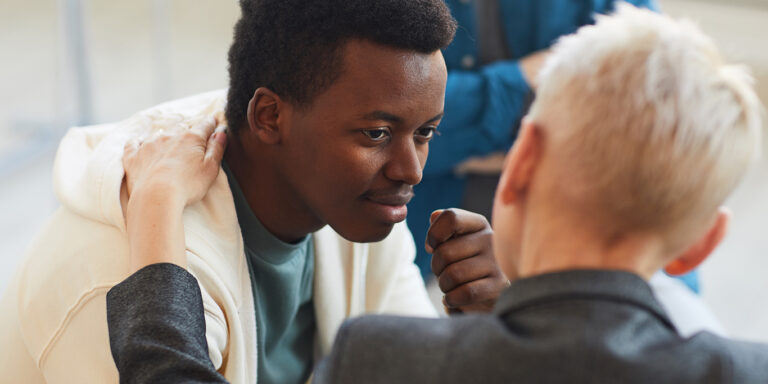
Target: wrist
x=155 y=198
x=155 y=228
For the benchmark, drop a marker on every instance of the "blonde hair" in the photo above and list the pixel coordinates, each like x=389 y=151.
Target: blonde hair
x=655 y=129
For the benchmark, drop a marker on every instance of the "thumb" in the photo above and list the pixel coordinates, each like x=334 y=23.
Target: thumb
x=432 y=219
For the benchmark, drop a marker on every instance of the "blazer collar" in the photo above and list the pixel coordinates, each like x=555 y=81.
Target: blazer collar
x=598 y=285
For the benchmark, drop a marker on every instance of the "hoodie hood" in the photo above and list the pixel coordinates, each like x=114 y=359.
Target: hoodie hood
x=88 y=169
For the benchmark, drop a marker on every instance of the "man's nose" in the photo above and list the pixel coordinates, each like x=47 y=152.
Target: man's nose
x=406 y=163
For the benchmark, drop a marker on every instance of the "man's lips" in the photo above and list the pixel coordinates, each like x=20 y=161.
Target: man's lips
x=393 y=199
x=389 y=206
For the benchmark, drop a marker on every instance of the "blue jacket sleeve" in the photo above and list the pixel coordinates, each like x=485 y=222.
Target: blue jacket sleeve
x=482 y=109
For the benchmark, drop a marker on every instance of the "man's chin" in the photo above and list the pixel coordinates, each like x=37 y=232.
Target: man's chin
x=364 y=233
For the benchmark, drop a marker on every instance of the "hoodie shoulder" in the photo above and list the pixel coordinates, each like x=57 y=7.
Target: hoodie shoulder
x=88 y=169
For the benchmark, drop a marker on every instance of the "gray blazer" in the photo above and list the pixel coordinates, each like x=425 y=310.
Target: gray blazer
x=567 y=327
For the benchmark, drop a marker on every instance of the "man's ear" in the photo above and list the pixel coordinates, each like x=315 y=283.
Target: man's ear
x=695 y=255
x=264 y=114
x=521 y=162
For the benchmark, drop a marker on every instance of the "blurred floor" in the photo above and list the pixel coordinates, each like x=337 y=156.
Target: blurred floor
x=136 y=65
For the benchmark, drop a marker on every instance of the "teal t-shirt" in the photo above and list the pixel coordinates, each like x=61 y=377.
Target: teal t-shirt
x=282 y=276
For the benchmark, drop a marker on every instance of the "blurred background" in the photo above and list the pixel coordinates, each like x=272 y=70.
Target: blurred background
x=67 y=63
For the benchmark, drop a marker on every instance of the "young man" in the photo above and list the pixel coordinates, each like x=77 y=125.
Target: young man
x=330 y=110
x=639 y=133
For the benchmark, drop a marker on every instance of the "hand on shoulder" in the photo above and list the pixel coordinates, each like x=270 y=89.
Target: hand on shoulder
x=163 y=174
x=181 y=161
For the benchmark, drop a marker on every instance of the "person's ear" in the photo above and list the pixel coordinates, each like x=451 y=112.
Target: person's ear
x=264 y=115
x=521 y=162
x=699 y=252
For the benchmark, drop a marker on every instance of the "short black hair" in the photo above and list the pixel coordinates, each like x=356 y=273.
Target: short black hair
x=295 y=47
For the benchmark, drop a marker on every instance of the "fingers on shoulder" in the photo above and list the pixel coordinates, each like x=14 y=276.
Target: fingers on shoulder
x=204 y=128
x=131 y=149
x=216 y=146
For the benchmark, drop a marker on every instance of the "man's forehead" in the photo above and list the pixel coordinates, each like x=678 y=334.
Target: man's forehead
x=381 y=83
x=363 y=59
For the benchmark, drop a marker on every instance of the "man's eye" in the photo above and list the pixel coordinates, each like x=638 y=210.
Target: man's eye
x=426 y=132
x=378 y=134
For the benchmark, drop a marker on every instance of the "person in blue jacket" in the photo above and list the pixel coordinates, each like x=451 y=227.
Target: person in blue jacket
x=492 y=64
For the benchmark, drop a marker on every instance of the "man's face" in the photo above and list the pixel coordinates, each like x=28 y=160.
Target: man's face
x=355 y=153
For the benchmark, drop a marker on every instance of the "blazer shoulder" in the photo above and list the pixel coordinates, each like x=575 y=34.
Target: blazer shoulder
x=402 y=330
x=720 y=359
x=748 y=360
x=411 y=349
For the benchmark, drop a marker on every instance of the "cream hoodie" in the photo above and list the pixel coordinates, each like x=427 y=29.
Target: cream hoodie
x=53 y=325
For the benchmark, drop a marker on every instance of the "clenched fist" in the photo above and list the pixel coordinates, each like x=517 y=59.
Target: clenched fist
x=463 y=262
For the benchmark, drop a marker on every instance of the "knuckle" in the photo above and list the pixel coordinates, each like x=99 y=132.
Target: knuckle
x=445 y=282
x=483 y=219
x=452 y=276
x=485 y=240
x=458 y=297
x=446 y=253
x=486 y=260
x=457 y=275
x=450 y=215
x=471 y=292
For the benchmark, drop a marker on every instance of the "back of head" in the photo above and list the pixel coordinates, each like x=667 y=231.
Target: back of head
x=295 y=47
x=651 y=129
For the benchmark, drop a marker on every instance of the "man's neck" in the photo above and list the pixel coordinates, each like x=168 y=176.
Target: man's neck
x=559 y=246
x=269 y=196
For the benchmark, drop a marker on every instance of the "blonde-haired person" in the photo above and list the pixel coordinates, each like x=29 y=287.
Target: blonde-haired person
x=639 y=134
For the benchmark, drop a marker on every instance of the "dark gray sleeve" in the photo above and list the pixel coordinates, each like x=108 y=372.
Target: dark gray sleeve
x=157 y=328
